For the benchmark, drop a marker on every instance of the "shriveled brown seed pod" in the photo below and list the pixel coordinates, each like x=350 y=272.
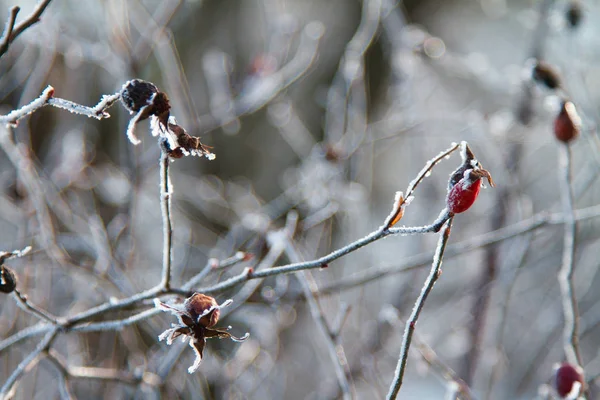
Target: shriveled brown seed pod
x=137 y=94
x=198 y=304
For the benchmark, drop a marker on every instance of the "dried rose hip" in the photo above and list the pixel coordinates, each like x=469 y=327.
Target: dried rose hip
x=200 y=303
x=137 y=93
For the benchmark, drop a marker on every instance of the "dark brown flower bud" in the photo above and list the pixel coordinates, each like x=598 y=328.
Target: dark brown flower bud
x=566 y=378
x=546 y=74
x=8 y=280
x=199 y=304
x=567 y=123
x=137 y=94
x=574 y=13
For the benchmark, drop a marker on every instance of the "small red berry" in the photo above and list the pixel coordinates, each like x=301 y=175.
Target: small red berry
x=566 y=378
x=464 y=193
x=567 y=123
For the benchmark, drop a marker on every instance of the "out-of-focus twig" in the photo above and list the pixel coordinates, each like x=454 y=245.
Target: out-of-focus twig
x=309 y=289
x=27 y=363
x=11 y=31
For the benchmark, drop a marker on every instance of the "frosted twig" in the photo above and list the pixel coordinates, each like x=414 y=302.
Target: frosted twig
x=46 y=98
x=325 y=260
x=410 y=263
x=165 y=207
x=411 y=323
x=565 y=275
x=107 y=374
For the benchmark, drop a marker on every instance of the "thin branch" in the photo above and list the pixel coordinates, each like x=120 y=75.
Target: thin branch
x=165 y=207
x=8 y=30
x=410 y=263
x=416 y=312
x=324 y=261
x=46 y=98
x=31 y=308
x=106 y=374
x=11 y=31
x=455 y=384
x=322 y=326
x=26 y=364
x=23 y=334
x=565 y=275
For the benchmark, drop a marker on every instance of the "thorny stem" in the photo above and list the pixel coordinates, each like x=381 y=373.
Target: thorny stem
x=317 y=315
x=416 y=312
x=565 y=275
x=165 y=207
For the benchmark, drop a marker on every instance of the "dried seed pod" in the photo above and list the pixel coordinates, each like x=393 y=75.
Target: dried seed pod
x=203 y=309
x=136 y=94
x=568 y=380
x=8 y=280
x=546 y=74
x=567 y=123
x=574 y=13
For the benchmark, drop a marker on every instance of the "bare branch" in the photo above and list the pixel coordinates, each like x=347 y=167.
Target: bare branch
x=565 y=276
x=411 y=323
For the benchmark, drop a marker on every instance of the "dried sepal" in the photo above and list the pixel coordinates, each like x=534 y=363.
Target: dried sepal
x=397 y=212
x=179 y=143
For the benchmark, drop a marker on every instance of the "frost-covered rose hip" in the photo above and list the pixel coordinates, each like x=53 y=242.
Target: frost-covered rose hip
x=464 y=193
x=465 y=182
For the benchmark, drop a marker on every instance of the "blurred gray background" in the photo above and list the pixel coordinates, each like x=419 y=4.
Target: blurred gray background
x=328 y=108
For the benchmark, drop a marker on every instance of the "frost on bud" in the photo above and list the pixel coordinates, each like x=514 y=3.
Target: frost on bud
x=465 y=183
x=568 y=381
x=197 y=317
x=567 y=123
x=546 y=74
